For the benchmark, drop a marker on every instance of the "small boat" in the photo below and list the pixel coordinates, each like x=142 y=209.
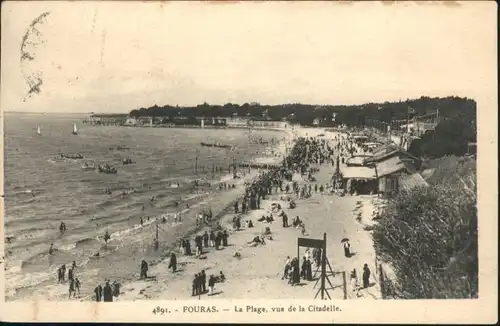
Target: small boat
x=88 y=166
x=73 y=156
x=119 y=148
x=75 y=131
x=128 y=161
x=105 y=168
x=38 y=131
x=215 y=145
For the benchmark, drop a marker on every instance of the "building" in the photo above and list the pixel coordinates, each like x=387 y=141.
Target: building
x=106 y=119
x=131 y=122
x=388 y=151
x=390 y=171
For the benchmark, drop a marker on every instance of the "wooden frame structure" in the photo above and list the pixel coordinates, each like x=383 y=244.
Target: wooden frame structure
x=324 y=274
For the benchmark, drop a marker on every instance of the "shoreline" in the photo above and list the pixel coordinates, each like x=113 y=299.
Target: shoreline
x=223 y=199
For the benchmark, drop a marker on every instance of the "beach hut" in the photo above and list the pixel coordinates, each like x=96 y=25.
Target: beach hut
x=360 y=179
x=390 y=171
x=358 y=160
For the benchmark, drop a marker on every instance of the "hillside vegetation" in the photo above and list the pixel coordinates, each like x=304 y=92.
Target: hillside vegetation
x=429 y=235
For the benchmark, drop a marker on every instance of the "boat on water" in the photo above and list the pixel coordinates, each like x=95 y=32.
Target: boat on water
x=119 y=148
x=88 y=166
x=75 y=130
x=38 y=131
x=105 y=168
x=128 y=161
x=72 y=156
x=218 y=145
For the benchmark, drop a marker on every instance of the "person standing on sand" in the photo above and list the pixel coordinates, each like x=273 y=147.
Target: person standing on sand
x=203 y=281
x=366 y=276
x=211 y=284
x=70 y=274
x=303 y=268
x=51 y=249
x=77 y=285
x=286 y=268
x=225 y=236
x=188 y=248
x=212 y=238
x=173 y=262
x=108 y=293
x=205 y=239
x=354 y=280
x=218 y=239
x=144 y=269
x=347 y=249
x=98 y=293
x=194 y=291
x=63 y=273
x=72 y=288
x=309 y=270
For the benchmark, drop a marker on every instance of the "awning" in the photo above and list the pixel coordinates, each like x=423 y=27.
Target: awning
x=358 y=172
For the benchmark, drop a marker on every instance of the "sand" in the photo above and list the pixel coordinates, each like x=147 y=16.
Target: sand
x=257 y=273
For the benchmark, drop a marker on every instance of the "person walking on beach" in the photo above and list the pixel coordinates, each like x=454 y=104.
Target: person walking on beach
x=144 y=269
x=116 y=289
x=188 y=248
x=225 y=236
x=70 y=274
x=98 y=293
x=354 y=280
x=63 y=273
x=366 y=276
x=108 y=293
x=77 y=285
x=211 y=284
x=203 y=281
x=347 y=249
x=212 y=238
x=72 y=288
x=195 y=285
x=286 y=268
x=205 y=239
x=51 y=249
x=59 y=275
x=173 y=262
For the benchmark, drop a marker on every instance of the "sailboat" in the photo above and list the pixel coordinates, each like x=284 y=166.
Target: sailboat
x=38 y=132
x=75 y=131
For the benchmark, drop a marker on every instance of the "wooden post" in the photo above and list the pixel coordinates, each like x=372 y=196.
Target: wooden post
x=344 y=279
x=323 y=268
x=157 y=243
x=298 y=258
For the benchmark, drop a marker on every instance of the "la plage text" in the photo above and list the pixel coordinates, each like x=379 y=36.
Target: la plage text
x=291 y=308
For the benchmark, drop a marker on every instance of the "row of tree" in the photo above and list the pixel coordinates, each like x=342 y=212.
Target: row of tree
x=329 y=115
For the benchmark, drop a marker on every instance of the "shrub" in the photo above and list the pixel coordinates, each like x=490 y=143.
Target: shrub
x=429 y=237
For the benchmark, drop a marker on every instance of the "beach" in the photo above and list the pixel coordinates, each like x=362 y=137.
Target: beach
x=257 y=272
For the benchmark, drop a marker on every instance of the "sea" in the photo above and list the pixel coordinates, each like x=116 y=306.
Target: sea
x=41 y=192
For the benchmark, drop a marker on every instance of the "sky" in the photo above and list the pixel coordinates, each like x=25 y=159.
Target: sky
x=114 y=57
